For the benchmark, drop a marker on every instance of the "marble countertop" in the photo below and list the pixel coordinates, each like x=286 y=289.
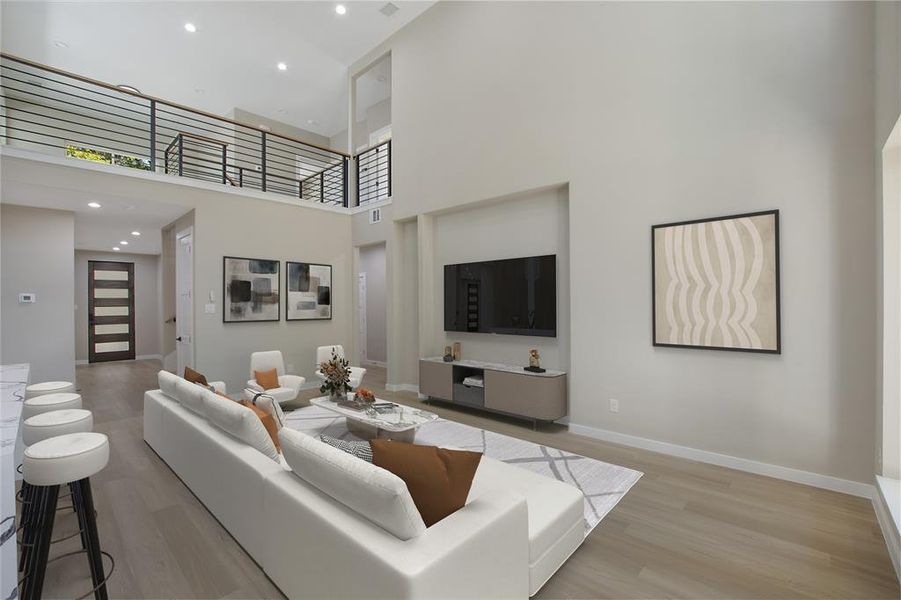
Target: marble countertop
x=13 y=379
x=478 y=364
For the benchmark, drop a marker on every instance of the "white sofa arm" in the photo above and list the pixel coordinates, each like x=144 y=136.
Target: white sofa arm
x=293 y=382
x=218 y=387
x=252 y=384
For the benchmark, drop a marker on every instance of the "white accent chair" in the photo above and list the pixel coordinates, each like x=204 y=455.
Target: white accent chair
x=324 y=353
x=288 y=385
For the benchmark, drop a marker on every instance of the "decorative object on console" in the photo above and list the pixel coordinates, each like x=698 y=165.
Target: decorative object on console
x=364 y=396
x=534 y=362
x=337 y=378
x=716 y=283
x=458 y=351
x=438 y=479
x=361 y=450
x=251 y=290
x=448 y=354
x=309 y=291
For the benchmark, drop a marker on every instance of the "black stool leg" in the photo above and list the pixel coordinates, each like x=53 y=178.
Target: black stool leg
x=85 y=506
x=27 y=510
x=37 y=560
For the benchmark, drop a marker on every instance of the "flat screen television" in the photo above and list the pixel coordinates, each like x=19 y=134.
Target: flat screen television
x=515 y=296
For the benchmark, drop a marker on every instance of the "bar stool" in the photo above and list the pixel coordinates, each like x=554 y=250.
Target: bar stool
x=66 y=459
x=48 y=402
x=38 y=428
x=48 y=387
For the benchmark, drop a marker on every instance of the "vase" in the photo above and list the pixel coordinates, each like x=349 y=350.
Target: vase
x=336 y=396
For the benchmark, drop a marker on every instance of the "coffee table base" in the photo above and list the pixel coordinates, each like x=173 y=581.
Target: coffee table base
x=371 y=432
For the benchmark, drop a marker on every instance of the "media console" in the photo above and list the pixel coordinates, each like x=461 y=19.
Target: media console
x=508 y=389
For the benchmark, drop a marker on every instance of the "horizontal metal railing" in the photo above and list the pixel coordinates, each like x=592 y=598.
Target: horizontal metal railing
x=374 y=174
x=53 y=111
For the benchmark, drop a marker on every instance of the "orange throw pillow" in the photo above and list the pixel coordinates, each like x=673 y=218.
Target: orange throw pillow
x=268 y=421
x=267 y=379
x=195 y=377
x=438 y=479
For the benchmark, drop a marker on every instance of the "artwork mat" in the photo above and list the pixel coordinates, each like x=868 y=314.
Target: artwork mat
x=331 y=286
x=226 y=301
x=776 y=283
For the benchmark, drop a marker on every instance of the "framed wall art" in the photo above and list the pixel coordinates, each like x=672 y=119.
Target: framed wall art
x=308 y=291
x=251 y=290
x=716 y=283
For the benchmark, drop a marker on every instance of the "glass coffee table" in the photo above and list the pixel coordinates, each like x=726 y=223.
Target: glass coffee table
x=398 y=422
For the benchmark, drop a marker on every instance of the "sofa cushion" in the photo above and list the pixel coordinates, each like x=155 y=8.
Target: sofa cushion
x=238 y=421
x=374 y=493
x=438 y=479
x=167 y=383
x=190 y=395
x=195 y=377
x=362 y=450
x=267 y=419
x=268 y=380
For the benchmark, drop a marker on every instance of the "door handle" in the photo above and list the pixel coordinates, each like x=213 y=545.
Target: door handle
x=178 y=339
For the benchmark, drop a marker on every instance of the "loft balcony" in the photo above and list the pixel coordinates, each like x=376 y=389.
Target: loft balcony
x=52 y=111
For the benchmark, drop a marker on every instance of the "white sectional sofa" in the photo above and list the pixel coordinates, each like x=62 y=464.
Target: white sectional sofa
x=515 y=531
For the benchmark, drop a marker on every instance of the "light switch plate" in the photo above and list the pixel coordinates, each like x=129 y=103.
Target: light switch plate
x=28 y=298
x=209 y=309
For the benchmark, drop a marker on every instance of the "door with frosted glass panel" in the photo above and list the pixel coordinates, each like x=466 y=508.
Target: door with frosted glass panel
x=111 y=311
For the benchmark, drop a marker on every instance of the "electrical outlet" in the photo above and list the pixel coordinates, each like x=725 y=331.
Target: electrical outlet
x=614 y=405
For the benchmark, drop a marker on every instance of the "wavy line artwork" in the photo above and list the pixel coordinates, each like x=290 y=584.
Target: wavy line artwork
x=716 y=283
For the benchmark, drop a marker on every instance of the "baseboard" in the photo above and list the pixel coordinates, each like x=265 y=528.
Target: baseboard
x=888 y=526
x=402 y=387
x=81 y=362
x=827 y=482
x=375 y=363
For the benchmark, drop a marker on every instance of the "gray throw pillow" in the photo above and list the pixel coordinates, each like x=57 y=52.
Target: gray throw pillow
x=359 y=449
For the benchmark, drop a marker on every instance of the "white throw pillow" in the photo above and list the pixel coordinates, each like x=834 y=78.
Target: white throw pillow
x=190 y=395
x=238 y=421
x=377 y=494
x=167 y=383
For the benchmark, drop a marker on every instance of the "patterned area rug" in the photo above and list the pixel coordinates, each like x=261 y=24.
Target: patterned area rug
x=602 y=483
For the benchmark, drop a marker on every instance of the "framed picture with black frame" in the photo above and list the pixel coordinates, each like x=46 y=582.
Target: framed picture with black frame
x=250 y=290
x=716 y=283
x=308 y=291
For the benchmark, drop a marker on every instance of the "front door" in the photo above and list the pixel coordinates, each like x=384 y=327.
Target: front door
x=111 y=311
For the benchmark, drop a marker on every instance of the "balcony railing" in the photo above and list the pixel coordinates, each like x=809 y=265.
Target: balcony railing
x=53 y=111
x=374 y=174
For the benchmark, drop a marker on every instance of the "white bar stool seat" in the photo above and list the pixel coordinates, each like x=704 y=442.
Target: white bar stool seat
x=48 y=402
x=48 y=387
x=56 y=422
x=65 y=458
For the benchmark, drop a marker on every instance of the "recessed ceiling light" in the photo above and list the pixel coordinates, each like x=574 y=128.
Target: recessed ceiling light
x=340 y=9
x=190 y=28
x=124 y=243
x=60 y=44
x=135 y=233
x=94 y=204
x=129 y=88
x=282 y=66
x=116 y=248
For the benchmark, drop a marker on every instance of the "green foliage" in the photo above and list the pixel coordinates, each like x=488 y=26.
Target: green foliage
x=108 y=158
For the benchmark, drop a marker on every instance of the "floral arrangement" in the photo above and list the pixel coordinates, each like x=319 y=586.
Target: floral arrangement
x=365 y=396
x=337 y=377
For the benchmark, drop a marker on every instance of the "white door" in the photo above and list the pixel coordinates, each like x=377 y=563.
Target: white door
x=361 y=316
x=184 y=299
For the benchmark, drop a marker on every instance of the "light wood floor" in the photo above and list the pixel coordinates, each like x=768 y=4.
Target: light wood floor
x=686 y=530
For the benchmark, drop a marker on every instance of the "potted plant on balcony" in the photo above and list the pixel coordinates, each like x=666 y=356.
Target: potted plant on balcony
x=337 y=378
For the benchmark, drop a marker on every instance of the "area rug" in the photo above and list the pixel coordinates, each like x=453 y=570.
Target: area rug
x=603 y=484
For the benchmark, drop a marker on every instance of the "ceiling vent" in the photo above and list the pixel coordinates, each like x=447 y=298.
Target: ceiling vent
x=389 y=9
x=375 y=216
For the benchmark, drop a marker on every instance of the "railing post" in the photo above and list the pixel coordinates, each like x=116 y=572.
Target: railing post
x=357 y=183
x=240 y=176
x=153 y=136
x=263 y=158
x=224 y=159
x=389 y=168
x=181 y=155
x=322 y=186
x=344 y=175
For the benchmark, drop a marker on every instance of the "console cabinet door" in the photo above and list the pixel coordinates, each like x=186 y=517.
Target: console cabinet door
x=436 y=380
x=542 y=398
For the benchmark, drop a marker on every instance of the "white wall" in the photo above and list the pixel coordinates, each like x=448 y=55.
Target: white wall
x=655 y=113
x=531 y=224
x=373 y=262
x=36 y=247
x=148 y=324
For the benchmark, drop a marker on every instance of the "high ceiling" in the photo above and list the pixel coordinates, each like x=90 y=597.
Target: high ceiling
x=230 y=61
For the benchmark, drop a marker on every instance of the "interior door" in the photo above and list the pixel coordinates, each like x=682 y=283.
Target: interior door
x=184 y=300
x=111 y=311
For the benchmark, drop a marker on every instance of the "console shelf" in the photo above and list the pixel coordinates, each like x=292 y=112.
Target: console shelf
x=508 y=389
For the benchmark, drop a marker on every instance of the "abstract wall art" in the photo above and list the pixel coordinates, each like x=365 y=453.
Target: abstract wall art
x=309 y=291
x=251 y=290
x=716 y=283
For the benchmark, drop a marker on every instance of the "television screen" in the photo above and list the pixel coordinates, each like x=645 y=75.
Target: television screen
x=515 y=296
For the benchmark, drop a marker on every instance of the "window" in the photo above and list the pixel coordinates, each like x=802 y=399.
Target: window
x=106 y=157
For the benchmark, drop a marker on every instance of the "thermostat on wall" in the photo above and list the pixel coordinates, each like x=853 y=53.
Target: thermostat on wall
x=28 y=298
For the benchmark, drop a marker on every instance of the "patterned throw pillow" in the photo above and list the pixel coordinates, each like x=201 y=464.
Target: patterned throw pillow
x=359 y=449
